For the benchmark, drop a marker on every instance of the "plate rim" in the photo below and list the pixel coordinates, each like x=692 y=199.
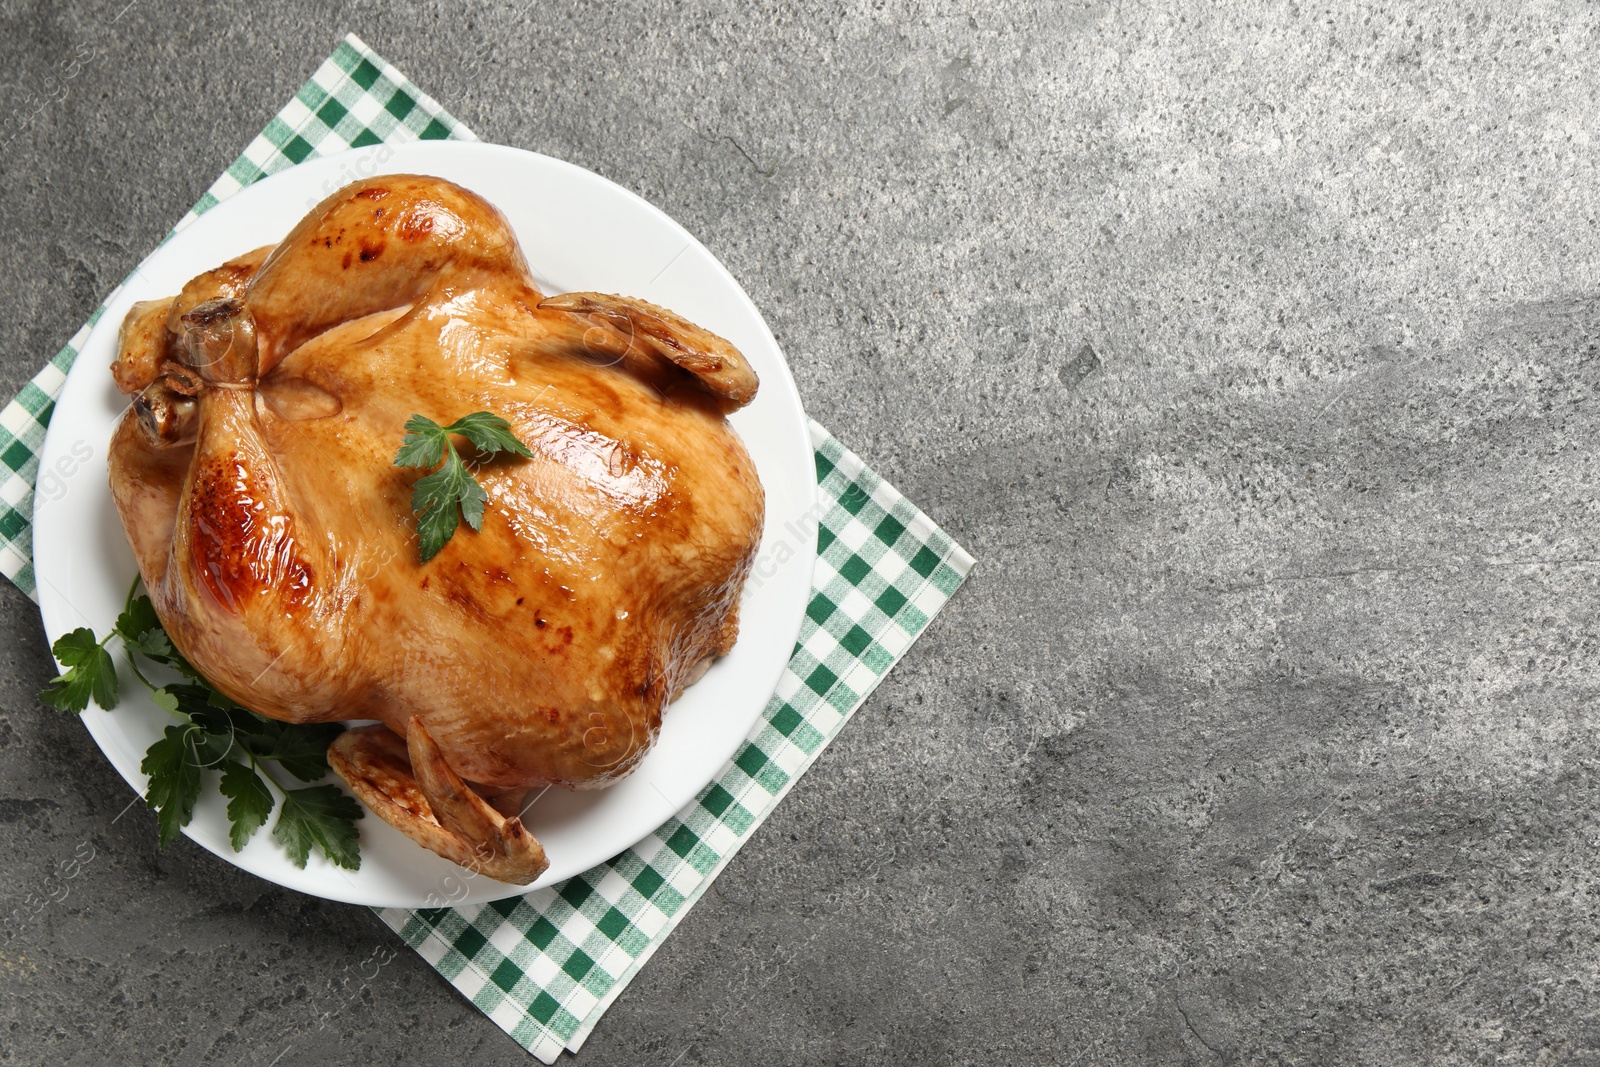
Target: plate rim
x=391 y=158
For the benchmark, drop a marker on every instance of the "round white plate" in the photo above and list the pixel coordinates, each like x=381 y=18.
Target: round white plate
x=579 y=232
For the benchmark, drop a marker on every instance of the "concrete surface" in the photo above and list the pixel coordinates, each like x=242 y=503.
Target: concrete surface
x=1265 y=731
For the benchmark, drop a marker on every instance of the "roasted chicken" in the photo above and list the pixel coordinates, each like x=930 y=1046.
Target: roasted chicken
x=254 y=474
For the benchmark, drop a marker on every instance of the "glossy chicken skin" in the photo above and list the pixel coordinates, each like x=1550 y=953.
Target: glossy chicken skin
x=254 y=476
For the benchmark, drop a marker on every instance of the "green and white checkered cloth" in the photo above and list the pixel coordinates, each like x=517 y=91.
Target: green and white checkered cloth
x=545 y=966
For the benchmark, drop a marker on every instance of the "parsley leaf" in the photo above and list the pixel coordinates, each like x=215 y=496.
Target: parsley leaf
x=138 y=619
x=90 y=673
x=489 y=433
x=141 y=631
x=154 y=644
x=194 y=700
x=302 y=750
x=320 y=816
x=473 y=498
x=299 y=748
x=174 y=781
x=423 y=445
x=210 y=748
x=434 y=501
x=437 y=497
x=249 y=802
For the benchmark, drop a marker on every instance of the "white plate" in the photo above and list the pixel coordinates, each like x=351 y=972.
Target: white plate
x=579 y=232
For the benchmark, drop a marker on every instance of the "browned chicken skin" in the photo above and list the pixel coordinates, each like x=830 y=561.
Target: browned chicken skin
x=254 y=476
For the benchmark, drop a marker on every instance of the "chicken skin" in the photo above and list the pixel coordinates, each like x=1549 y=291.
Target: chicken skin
x=254 y=474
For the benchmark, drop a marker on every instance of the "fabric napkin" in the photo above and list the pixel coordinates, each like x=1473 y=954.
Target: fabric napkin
x=545 y=966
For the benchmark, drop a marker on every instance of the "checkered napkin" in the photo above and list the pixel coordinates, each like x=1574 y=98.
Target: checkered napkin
x=545 y=966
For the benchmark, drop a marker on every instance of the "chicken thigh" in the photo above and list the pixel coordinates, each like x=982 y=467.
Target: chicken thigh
x=254 y=474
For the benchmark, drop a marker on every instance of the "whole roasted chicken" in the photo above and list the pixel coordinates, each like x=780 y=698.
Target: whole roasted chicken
x=254 y=473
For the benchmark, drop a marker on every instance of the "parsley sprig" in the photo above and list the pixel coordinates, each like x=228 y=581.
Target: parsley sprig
x=437 y=498
x=90 y=673
x=212 y=733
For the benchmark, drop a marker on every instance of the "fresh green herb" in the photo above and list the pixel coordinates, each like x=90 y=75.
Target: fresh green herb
x=323 y=816
x=140 y=630
x=90 y=673
x=249 y=802
x=173 y=768
x=437 y=498
x=212 y=733
x=140 y=626
x=303 y=750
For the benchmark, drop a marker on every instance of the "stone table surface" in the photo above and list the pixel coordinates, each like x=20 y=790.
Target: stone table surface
x=1264 y=730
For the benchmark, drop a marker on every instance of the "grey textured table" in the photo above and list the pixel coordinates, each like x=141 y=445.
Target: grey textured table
x=1264 y=730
